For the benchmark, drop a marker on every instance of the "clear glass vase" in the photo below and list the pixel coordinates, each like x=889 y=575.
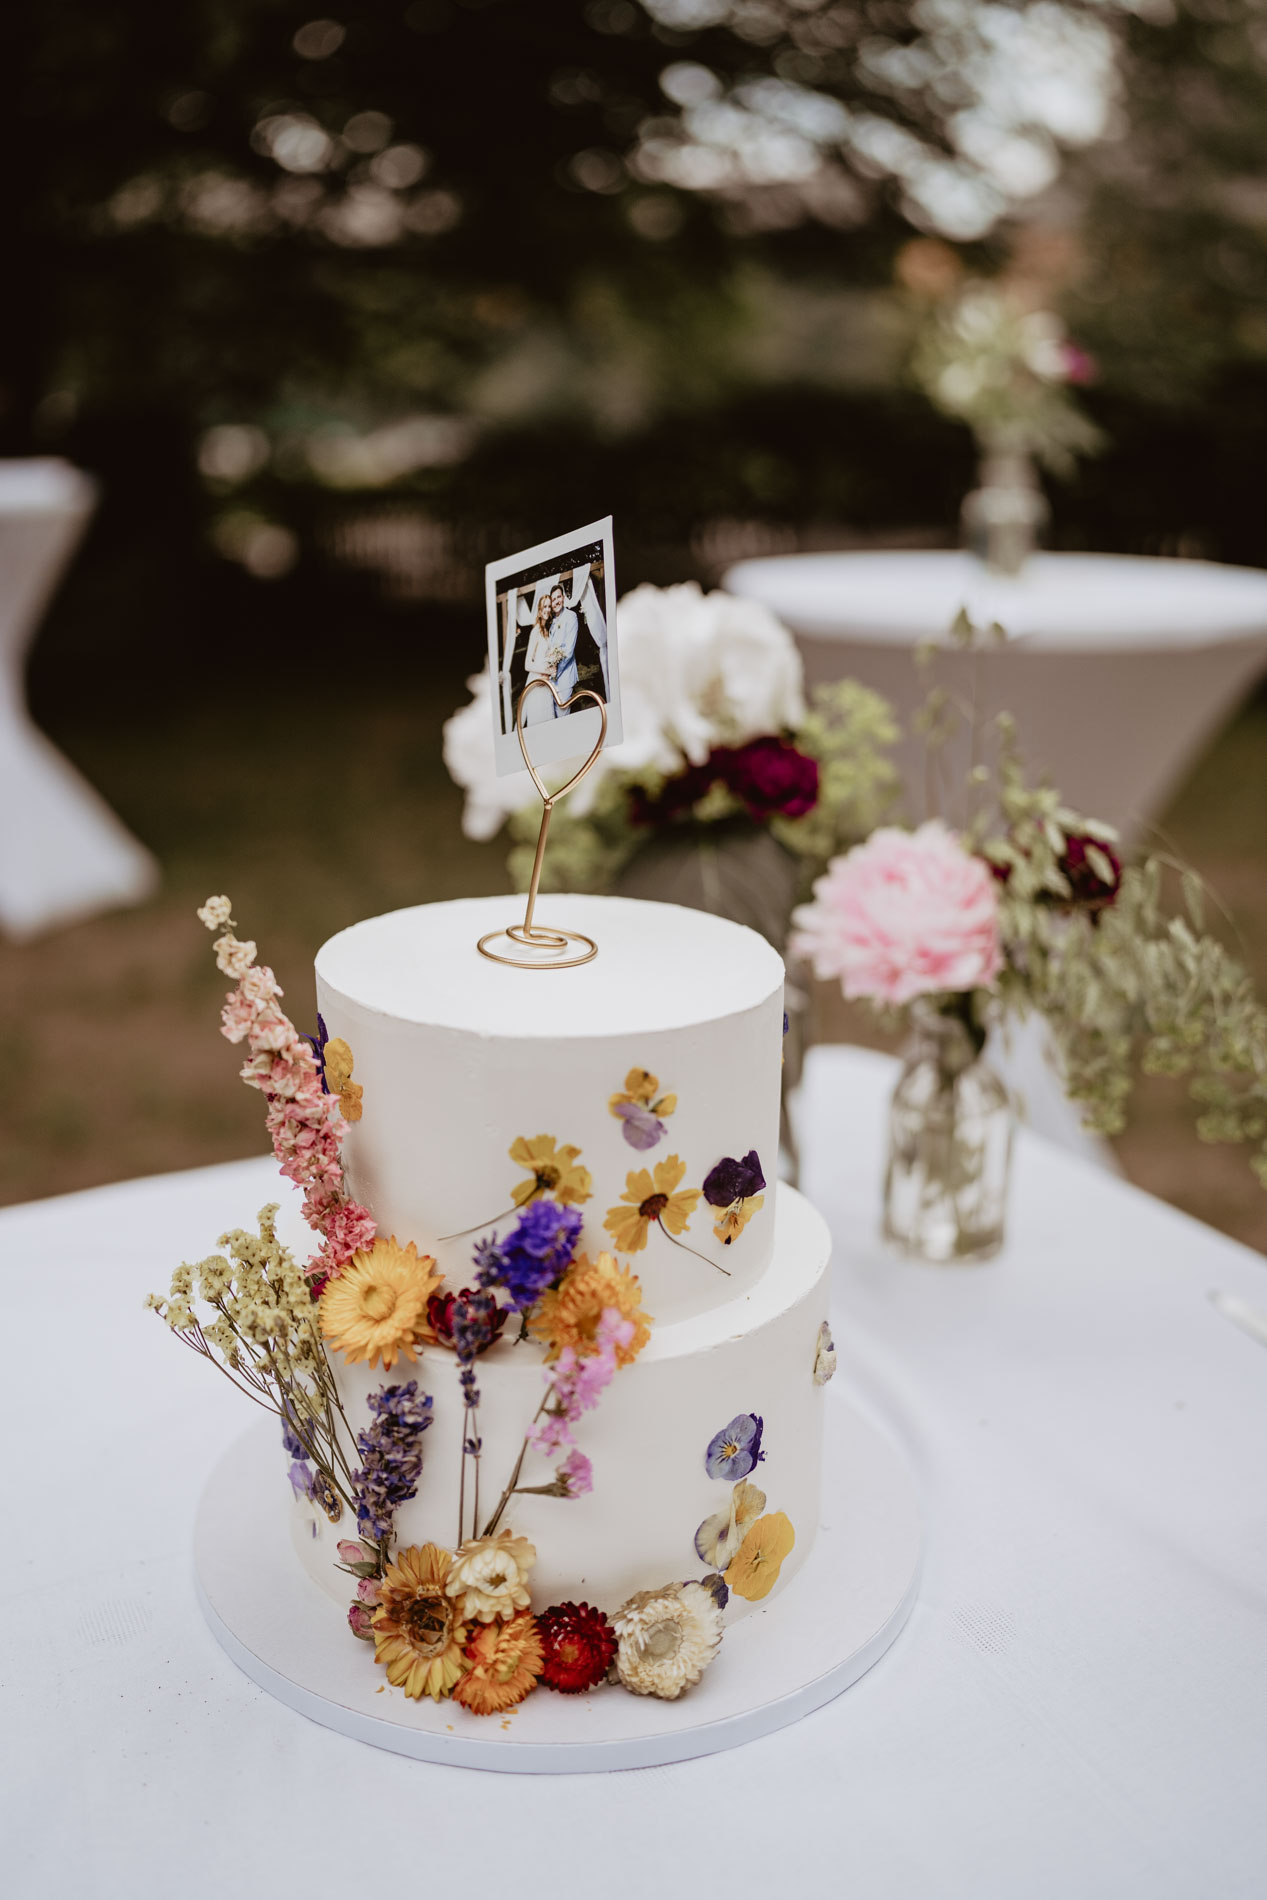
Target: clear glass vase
x=950 y=1144
x=1005 y=514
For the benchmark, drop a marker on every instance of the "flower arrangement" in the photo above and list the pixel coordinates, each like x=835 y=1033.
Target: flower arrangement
x=456 y=1621
x=1028 y=906
x=985 y=357
x=719 y=742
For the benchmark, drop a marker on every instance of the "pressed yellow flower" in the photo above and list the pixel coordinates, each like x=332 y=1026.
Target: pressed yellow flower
x=569 y=1315
x=503 y=1663
x=648 y=1199
x=642 y=1090
x=732 y=1220
x=338 y=1066
x=418 y=1635
x=377 y=1306
x=755 y=1571
x=552 y=1170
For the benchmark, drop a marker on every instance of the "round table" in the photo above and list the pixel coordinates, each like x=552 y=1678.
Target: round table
x=1117 y=669
x=1075 y=1707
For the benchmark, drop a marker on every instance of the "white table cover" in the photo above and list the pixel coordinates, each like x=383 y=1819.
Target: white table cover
x=1078 y=1706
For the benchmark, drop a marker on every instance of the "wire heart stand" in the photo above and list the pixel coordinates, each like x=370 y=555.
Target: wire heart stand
x=547 y=949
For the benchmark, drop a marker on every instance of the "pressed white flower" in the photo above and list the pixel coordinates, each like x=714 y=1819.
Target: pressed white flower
x=824 y=1355
x=719 y=1536
x=667 y=1638
x=489 y=1577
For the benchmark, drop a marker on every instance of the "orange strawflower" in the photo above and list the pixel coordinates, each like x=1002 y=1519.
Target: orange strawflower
x=569 y=1314
x=504 y=1661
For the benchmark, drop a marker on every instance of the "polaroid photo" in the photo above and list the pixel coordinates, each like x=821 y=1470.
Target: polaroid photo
x=552 y=616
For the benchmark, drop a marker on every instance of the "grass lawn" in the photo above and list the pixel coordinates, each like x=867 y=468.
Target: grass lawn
x=320 y=808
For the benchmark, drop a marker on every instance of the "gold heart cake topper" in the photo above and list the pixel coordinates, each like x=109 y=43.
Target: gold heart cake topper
x=582 y=692
x=547 y=947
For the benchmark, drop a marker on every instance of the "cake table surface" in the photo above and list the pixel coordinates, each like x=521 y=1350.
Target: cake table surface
x=1076 y=1706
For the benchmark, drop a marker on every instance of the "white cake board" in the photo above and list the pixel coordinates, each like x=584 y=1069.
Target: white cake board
x=835 y=1619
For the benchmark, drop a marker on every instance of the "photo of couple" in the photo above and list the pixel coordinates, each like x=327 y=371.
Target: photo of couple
x=549 y=619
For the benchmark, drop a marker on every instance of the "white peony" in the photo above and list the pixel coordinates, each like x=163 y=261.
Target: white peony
x=696 y=671
x=705 y=669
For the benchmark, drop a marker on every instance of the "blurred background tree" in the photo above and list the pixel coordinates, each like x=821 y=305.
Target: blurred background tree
x=318 y=296
x=338 y=305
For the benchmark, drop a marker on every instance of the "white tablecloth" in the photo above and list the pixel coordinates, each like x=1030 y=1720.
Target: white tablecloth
x=1077 y=1709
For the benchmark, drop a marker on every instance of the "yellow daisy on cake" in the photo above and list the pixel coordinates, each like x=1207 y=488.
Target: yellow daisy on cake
x=552 y=1170
x=377 y=1306
x=569 y=1314
x=418 y=1635
x=503 y=1663
x=651 y=1197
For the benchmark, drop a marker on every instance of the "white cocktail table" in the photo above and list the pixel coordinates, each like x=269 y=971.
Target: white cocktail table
x=1118 y=669
x=63 y=853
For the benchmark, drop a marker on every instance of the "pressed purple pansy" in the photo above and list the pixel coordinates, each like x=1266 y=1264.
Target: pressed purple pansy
x=732 y=1181
x=736 y=1450
x=641 y=1129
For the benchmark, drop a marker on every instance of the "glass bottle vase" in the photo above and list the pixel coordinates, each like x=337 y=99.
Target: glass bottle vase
x=950 y=1145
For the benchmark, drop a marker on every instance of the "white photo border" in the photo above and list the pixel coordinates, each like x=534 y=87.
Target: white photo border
x=556 y=740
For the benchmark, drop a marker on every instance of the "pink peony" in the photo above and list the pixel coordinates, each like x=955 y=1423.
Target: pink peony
x=908 y=913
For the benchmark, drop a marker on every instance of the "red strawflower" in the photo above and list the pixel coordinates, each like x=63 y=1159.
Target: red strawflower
x=578 y=1644
x=440 y=1316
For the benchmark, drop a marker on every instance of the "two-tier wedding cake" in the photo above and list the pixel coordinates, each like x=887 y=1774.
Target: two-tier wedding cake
x=481 y=1082
x=551 y=1387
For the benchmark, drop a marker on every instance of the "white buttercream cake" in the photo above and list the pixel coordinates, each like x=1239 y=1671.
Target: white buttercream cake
x=461 y=1061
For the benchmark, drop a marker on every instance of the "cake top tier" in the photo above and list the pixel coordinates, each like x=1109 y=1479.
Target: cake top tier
x=659 y=967
x=641 y=1088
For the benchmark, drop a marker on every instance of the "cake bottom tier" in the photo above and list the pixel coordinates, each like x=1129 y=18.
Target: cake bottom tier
x=752 y=1358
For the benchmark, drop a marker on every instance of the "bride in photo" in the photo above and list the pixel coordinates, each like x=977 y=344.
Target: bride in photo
x=541 y=663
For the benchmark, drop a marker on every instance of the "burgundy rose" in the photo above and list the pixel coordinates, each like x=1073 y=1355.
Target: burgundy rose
x=772 y=778
x=1088 y=887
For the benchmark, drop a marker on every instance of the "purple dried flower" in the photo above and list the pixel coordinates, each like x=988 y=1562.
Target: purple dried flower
x=732 y=1181
x=641 y=1129
x=391 y=1449
x=539 y=1248
x=736 y=1450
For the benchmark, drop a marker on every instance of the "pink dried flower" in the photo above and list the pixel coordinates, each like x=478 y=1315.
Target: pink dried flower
x=234 y=958
x=578 y=1384
x=367 y=1590
x=908 y=913
x=360 y=1621
x=303 y=1121
x=613 y=1330
x=551 y=1434
x=577 y=1474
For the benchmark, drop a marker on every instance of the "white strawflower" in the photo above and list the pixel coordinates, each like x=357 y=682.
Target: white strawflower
x=489 y=1577
x=667 y=1638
